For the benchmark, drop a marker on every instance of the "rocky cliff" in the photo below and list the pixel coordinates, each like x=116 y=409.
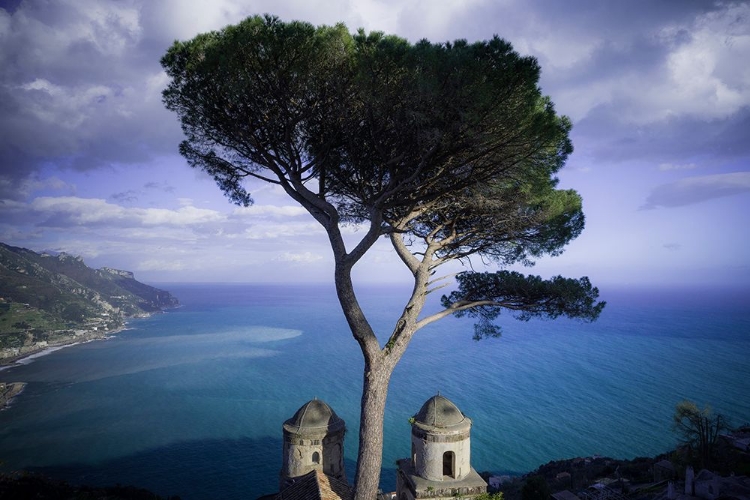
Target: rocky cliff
x=48 y=300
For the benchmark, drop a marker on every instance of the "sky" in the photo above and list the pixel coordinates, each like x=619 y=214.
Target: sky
x=658 y=93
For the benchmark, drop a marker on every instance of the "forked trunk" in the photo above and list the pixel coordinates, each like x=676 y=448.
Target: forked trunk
x=370 y=455
x=379 y=365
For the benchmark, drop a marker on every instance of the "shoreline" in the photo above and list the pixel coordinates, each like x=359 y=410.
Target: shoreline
x=81 y=338
x=8 y=391
x=37 y=352
x=11 y=390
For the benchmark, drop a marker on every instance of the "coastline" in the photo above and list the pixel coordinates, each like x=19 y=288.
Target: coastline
x=80 y=337
x=37 y=350
x=8 y=391
x=11 y=390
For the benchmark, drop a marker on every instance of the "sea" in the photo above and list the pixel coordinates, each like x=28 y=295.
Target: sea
x=191 y=402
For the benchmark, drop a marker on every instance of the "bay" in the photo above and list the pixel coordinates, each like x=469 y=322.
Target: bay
x=191 y=402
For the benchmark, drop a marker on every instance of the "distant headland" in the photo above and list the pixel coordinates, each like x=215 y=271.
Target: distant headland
x=51 y=300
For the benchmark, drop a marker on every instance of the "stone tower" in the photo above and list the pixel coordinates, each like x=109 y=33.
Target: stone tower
x=313 y=440
x=440 y=463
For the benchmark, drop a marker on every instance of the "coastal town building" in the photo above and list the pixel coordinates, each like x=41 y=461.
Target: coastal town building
x=707 y=485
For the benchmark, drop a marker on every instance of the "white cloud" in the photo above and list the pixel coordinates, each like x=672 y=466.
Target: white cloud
x=177 y=20
x=271 y=211
x=682 y=67
x=65 y=107
x=79 y=88
x=704 y=79
x=77 y=210
x=263 y=231
x=73 y=211
x=378 y=13
x=575 y=50
x=304 y=257
x=184 y=216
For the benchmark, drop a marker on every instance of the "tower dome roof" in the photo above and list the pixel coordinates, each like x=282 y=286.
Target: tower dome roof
x=440 y=412
x=314 y=415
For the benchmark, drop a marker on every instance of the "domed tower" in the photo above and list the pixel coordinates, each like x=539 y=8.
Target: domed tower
x=313 y=440
x=440 y=463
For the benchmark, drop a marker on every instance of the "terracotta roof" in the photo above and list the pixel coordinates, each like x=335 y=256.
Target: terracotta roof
x=316 y=486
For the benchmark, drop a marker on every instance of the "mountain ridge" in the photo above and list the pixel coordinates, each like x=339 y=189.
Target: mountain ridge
x=51 y=299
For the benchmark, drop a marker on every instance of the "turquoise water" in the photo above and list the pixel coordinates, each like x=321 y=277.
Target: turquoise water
x=191 y=402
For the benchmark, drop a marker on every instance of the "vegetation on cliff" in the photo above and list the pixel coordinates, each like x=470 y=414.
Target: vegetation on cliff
x=48 y=300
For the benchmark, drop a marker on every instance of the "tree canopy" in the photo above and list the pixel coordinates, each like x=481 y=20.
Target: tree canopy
x=450 y=150
x=699 y=430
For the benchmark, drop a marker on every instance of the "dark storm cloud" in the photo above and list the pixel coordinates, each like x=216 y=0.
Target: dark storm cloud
x=622 y=71
x=78 y=89
x=81 y=81
x=675 y=140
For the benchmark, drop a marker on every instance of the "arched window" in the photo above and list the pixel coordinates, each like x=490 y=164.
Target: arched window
x=449 y=464
x=413 y=455
x=316 y=457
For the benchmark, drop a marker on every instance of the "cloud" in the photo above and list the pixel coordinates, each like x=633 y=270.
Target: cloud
x=603 y=138
x=654 y=81
x=697 y=189
x=132 y=195
x=271 y=211
x=673 y=166
x=81 y=79
x=305 y=257
x=125 y=196
x=657 y=87
x=652 y=63
x=183 y=216
x=94 y=226
x=159 y=186
x=168 y=264
x=290 y=230
x=672 y=246
x=703 y=76
x=70 y=211
x=79 y=89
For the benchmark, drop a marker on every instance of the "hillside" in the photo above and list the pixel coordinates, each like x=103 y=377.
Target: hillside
x=48 y=300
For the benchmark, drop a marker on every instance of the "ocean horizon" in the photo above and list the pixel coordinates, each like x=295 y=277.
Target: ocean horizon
x=191 y=402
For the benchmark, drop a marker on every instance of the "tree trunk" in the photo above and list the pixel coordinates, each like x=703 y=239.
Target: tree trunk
x=379 y=365
x=377 y=376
